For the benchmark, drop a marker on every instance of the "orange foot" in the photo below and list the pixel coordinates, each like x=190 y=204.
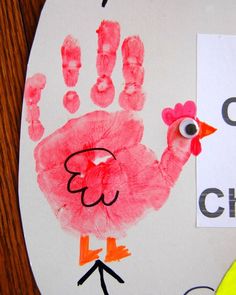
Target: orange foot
x=115 y=253
x=87 y=255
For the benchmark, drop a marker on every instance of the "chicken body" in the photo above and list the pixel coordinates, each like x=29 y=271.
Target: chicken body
x=98 y=176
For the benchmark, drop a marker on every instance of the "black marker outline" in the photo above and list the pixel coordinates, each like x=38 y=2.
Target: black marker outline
x=83 y=190
x=199 y=287
x=104 y=2
x=101 y=267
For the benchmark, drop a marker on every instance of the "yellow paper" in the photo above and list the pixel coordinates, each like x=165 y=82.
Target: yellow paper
x=228 y=284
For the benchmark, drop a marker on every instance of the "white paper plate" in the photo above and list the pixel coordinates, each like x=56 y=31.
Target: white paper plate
x=169 y=253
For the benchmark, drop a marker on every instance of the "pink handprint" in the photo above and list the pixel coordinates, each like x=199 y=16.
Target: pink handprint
x=95 y=172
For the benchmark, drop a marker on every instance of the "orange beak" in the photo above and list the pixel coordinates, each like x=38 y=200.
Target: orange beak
x=204 y=130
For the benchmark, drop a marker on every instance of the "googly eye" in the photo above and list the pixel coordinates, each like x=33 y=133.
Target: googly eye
x=189 y=128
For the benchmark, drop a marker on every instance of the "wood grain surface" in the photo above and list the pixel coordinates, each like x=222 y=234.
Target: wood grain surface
x=18 y=21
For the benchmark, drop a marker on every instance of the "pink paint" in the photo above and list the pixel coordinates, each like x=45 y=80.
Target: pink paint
x=141 y=180
x=33 y=88
x=95 y=172
x=71 y=60
x=33 y=113
x=188 y=109
x=36 y=130
x=71 y=101
x=132 y=97
x=32 y=94
x=103 y=92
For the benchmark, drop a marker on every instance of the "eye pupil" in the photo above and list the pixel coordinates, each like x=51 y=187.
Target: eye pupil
x=191 y=129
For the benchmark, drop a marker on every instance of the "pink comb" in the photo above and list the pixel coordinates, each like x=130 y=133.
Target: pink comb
x=186 y=110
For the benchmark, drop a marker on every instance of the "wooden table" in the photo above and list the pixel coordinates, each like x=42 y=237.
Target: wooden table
x=18 y=20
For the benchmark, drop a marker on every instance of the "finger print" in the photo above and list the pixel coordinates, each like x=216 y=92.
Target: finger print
x=132 y=97
x=71 y=64
x=32 y=94
x=71 y=101
x=103 y=92
x=70 y=53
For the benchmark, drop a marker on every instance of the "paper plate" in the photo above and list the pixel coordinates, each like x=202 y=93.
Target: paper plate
x=110 y=129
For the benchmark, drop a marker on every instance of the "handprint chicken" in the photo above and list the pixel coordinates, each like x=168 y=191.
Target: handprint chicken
x=97 y=175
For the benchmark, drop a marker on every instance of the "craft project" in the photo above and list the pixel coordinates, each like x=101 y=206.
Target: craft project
x=89 y=141
x=91 y=170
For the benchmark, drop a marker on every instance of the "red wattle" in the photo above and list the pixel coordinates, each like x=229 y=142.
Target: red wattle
x=196 y=147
